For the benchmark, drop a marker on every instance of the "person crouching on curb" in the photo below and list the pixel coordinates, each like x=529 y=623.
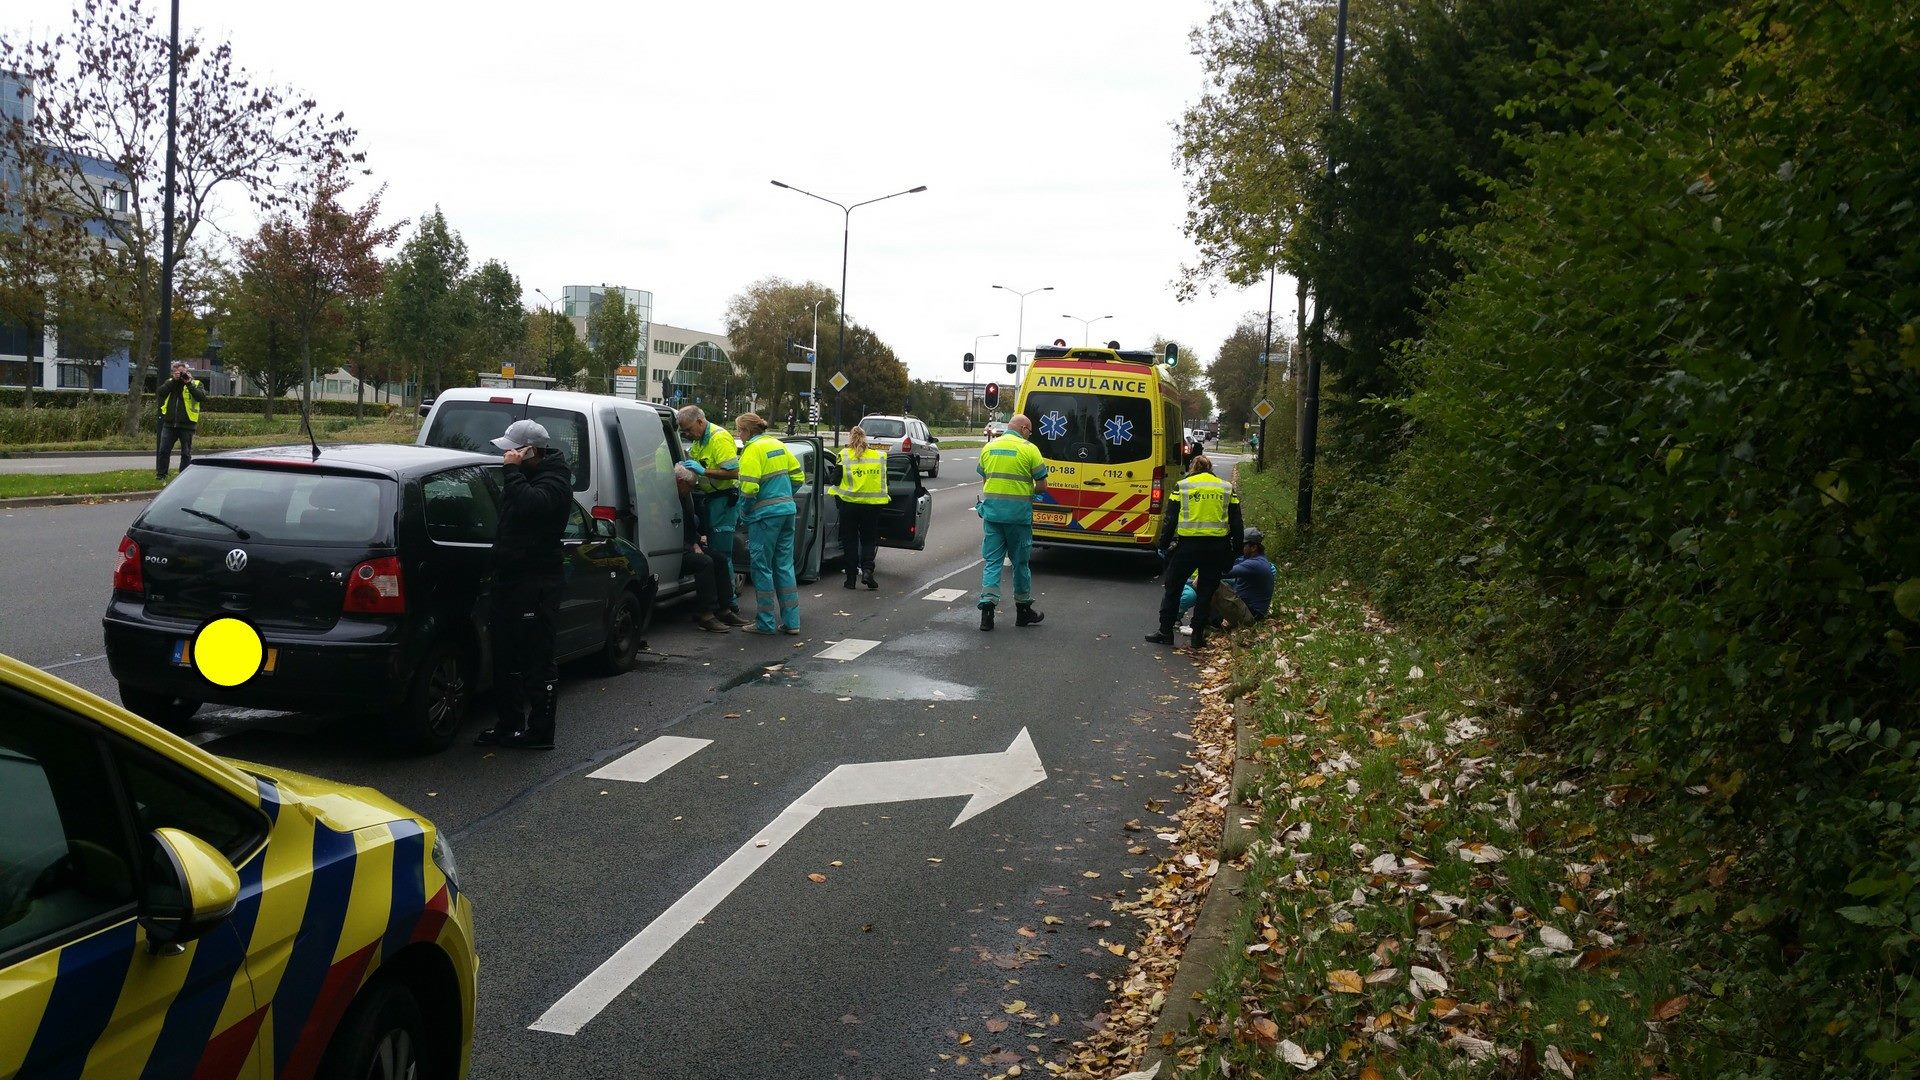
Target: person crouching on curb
x=1014 y=472
x=696 y=554
x=1201 y=526
x=862 y=492
x=769 y=473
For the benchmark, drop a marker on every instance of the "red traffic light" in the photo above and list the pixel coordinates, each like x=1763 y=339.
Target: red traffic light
x=992 y=395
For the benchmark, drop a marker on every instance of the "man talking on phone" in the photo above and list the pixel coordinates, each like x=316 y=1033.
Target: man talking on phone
x=528 y=563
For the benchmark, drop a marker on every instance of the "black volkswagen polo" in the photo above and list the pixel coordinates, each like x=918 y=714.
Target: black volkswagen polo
x=366 y=571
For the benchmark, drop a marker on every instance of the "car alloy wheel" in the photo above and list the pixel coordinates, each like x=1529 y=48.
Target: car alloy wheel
x=394 y=1058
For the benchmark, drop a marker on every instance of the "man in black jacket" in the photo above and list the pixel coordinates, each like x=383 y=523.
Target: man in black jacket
x=528 y=563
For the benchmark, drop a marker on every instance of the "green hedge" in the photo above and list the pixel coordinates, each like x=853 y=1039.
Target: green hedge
x=1664 y=470
x=15 y=397
x=79 y=422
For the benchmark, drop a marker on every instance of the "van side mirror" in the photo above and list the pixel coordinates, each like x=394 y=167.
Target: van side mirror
x=1173 y=354
x=191 y=888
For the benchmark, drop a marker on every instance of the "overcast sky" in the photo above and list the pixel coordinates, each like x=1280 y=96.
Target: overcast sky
x=632 y=144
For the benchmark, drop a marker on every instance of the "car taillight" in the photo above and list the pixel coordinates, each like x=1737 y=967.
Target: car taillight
x=128 y=577
x=374 y=588
x=499 y=401
x=906 y=444
x=606 y=513
x=1159 y=488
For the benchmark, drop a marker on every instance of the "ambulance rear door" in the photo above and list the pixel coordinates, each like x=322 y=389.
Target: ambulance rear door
x=1099 y=446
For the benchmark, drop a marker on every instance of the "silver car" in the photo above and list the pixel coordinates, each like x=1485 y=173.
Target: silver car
x=905 y=435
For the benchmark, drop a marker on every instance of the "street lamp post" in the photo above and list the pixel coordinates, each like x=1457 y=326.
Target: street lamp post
x=974 y=390
x=552 y=313
x=1022 y=331
x=1086 y=325
x=846 y=230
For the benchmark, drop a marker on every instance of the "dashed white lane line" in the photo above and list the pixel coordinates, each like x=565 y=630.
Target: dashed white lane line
x=850 y=649
x=651 y=759
x=945 y=596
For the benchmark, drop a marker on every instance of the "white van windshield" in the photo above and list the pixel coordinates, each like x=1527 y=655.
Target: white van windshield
x=473 y=425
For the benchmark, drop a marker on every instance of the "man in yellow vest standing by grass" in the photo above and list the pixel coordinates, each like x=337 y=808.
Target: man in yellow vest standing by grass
x=1202 y=526
x=862 y=492
x=1013 y=471
x=180 y=398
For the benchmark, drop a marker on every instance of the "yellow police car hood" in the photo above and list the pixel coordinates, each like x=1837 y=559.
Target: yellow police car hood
x=341 y=807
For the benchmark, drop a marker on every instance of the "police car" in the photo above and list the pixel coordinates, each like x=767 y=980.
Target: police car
x=167 y=913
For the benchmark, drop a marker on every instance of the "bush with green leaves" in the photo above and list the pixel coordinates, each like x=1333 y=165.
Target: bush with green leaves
x=1666 y=465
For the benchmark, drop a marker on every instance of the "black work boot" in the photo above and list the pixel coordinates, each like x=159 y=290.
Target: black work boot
x=538 y=734
x=850 y=581
x=1161 y=637
x=986 y=616
x=1024 y=615
x=866 y=577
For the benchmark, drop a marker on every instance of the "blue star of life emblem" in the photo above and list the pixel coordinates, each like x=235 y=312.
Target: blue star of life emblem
x=1119 y=429
x=1053 y=425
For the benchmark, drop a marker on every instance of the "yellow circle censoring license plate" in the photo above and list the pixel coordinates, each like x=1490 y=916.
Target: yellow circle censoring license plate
x=1053 y=517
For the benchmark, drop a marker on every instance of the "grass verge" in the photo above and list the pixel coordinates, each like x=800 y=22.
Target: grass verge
x=32 y=485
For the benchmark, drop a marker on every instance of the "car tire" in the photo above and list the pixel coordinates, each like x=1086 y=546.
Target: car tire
x=935 y=471
x=169 y=712
x=384 y=1037
x=626 y=635
x=437 y=703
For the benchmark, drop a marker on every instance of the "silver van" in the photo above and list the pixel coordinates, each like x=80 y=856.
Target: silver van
x=622 y=453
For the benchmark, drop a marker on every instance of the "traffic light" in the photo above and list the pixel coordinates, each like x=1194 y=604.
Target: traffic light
x=992 y=395
x=966 y=362
x=1013 y=362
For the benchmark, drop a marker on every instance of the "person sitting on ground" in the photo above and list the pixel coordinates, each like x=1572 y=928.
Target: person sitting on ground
x=1252 y=575
x=708 y=572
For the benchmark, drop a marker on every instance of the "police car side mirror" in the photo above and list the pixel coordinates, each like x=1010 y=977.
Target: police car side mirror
x=190 y=888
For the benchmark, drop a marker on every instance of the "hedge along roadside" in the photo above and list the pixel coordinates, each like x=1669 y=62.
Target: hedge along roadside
x=14 y=397
x=99 y=423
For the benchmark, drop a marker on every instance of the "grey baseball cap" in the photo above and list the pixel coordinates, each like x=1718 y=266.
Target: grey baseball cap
x=523 y=433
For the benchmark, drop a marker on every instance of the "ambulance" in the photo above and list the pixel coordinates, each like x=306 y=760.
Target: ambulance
x=1108 y=423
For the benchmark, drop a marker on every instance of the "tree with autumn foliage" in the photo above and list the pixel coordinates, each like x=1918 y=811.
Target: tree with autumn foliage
x=317 y=262
x=100 y=95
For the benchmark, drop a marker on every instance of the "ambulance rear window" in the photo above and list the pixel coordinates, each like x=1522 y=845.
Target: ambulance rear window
x=1097 y=428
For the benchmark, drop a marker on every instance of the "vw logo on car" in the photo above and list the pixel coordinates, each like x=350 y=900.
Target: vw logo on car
x=236 y=560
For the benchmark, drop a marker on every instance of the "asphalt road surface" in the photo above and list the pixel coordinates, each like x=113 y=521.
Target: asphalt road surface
x=788 y=893
x=53 y=466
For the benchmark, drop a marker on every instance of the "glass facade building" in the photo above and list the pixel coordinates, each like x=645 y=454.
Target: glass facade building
x=579 y=302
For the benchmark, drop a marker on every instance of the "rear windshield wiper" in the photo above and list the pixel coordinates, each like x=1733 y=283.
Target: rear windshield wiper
x=237 y=530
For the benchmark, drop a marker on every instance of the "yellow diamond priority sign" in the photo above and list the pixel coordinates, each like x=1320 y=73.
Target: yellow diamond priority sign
x=838 y=382
x=1264 y=409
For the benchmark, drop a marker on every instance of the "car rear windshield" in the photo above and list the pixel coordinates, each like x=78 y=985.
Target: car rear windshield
x=473 y=425
x=882 y=428
x=1102 y=428
x=291 y=506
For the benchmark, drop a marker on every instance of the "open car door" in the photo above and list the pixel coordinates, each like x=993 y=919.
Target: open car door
x=908 y=515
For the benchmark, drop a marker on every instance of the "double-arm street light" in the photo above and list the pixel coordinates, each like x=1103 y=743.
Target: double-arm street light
x=975 y=374
x=846 y=229
x=1086 y=325
x=1022 y=331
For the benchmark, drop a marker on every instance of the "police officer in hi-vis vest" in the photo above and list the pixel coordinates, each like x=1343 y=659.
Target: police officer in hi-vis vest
x=862 y=492
x=1201 y=524
x=714 y=457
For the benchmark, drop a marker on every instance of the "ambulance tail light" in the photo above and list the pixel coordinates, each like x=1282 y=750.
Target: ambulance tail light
x=375 y=588
x=1159 y=488
x=128 y=577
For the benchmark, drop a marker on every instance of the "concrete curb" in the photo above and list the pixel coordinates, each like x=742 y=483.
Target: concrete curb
x=64 y=500
x=1213 y=927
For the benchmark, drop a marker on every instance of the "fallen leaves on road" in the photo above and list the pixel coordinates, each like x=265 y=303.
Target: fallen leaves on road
x=816 y=878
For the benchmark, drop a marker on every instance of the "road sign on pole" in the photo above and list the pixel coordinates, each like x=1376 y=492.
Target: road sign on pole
x=838 y=382
x=801 y=368
x=1264 y=409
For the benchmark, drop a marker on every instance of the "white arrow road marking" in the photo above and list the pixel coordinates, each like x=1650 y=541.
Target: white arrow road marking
x=850 y=649
x=945 y=596
x=650 y=760
x=986 y=779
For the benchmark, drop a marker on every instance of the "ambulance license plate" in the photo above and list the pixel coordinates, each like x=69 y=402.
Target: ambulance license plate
x=1053 y=517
